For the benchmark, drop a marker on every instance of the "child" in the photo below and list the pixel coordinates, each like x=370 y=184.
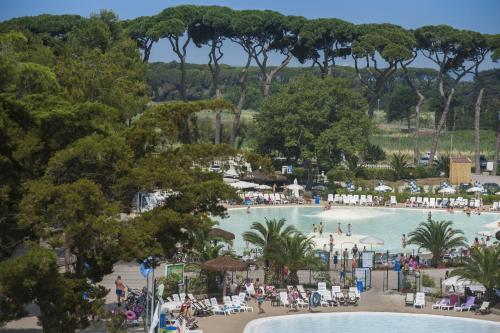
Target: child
x=260 y=299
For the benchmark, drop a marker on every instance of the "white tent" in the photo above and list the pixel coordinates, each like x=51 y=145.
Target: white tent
x=295 y=187
x=241 y=185
x=460 y=284
x=447 y=190
x=383 y=188
x=264 y=187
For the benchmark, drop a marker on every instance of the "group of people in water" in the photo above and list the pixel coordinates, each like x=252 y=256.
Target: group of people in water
x=319 y=229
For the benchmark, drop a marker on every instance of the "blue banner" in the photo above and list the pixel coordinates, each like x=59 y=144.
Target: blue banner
x=145 y=271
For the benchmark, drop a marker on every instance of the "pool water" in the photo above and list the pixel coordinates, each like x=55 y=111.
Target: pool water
x=370 y=322
x=387 y=224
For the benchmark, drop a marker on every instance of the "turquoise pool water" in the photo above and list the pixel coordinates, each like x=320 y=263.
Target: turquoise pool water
x=370 y=322
x=385 y=223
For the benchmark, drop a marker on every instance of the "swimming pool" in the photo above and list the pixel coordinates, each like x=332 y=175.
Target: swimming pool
x=370 y=322
x=385 y=223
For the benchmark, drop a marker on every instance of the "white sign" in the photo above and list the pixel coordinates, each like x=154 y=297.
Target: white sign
x=367 y=258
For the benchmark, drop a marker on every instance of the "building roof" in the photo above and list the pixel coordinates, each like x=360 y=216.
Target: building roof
x=460 y=159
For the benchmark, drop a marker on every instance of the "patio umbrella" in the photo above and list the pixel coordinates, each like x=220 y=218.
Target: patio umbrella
x=216 y=232
x=319 y=188
x=295 y=187
x=475 y=189
x=264 y=187
x=447 y=190
x=383 y=188
x=371 y=240
x=461 y=283
x=242 y=185
x=224 y=264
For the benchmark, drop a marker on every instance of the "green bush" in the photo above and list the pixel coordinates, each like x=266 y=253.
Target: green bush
x=421 y=171
x=338 y=173
x=373 y=153
x=171 y=284
x=382 y=174
x=427 y=281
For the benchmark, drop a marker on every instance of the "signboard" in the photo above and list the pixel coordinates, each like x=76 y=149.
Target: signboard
x=177 y=269
x=364 y=274
x=367 y=258
x=290 y=169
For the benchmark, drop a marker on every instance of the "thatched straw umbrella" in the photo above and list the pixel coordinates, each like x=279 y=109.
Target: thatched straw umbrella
x=219 y=233
x=224 y=264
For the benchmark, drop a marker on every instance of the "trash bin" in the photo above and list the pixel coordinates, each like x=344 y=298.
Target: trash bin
x=359 y=285
x=317 y=199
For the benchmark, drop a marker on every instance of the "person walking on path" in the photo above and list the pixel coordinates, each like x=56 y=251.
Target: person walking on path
x=321 y=229
x=120 y=289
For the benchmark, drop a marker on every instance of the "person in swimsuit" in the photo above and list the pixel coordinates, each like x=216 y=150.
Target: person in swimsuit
x=120 y=289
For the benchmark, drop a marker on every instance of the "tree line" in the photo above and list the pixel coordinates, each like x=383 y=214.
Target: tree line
x=378 y=51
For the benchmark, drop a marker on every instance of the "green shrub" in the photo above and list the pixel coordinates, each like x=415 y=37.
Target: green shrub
x=373 y=153
x=171 y=284
x=338 y=173
x=421 y=171
x=427 y=281
x=382 y=174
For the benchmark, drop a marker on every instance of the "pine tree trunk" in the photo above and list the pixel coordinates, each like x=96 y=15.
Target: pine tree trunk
x=477 y=132
x=241 y=103
x=416 y=149
x=497 y=149
x=442 y=121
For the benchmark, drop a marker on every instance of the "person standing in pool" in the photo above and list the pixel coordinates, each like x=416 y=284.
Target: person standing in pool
x=429 y=215
x=349 y=230
x=403 y=241
x=315 y=229
x=331 y=244
x=339 y=229
x=320 y=229
x=336 y=259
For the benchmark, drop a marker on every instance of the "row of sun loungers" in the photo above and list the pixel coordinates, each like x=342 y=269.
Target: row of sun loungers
x=459 y=202
x=208 y=306
x=269 y=198
x=447 y=303
x=355 y=199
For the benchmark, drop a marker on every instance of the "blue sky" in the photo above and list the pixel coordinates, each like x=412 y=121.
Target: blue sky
x=478 y=15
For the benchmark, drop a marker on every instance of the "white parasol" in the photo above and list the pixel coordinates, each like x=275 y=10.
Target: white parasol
x=264 y=187
x=475 y=189
x=241 y=185
x=461 y=283
x=493 y=225
x=383 y=188
x=372 y=240
x=295 y=187
x=447 y=190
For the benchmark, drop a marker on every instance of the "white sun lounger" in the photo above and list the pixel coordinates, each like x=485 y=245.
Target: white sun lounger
x=362 y=200
x=369 y=200
x=284 y=299
x=330 y=198
x=432 y=202
x=419 y=201
x=419 y=300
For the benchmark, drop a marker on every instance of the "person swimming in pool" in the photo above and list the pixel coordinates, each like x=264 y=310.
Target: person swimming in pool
x=339 y=229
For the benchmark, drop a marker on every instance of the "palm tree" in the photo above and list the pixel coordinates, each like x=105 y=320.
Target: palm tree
x=443 y=164
x=482 y=266
x=437 y=236
x=298 y=254
x=399 y=162
x=269 y=237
